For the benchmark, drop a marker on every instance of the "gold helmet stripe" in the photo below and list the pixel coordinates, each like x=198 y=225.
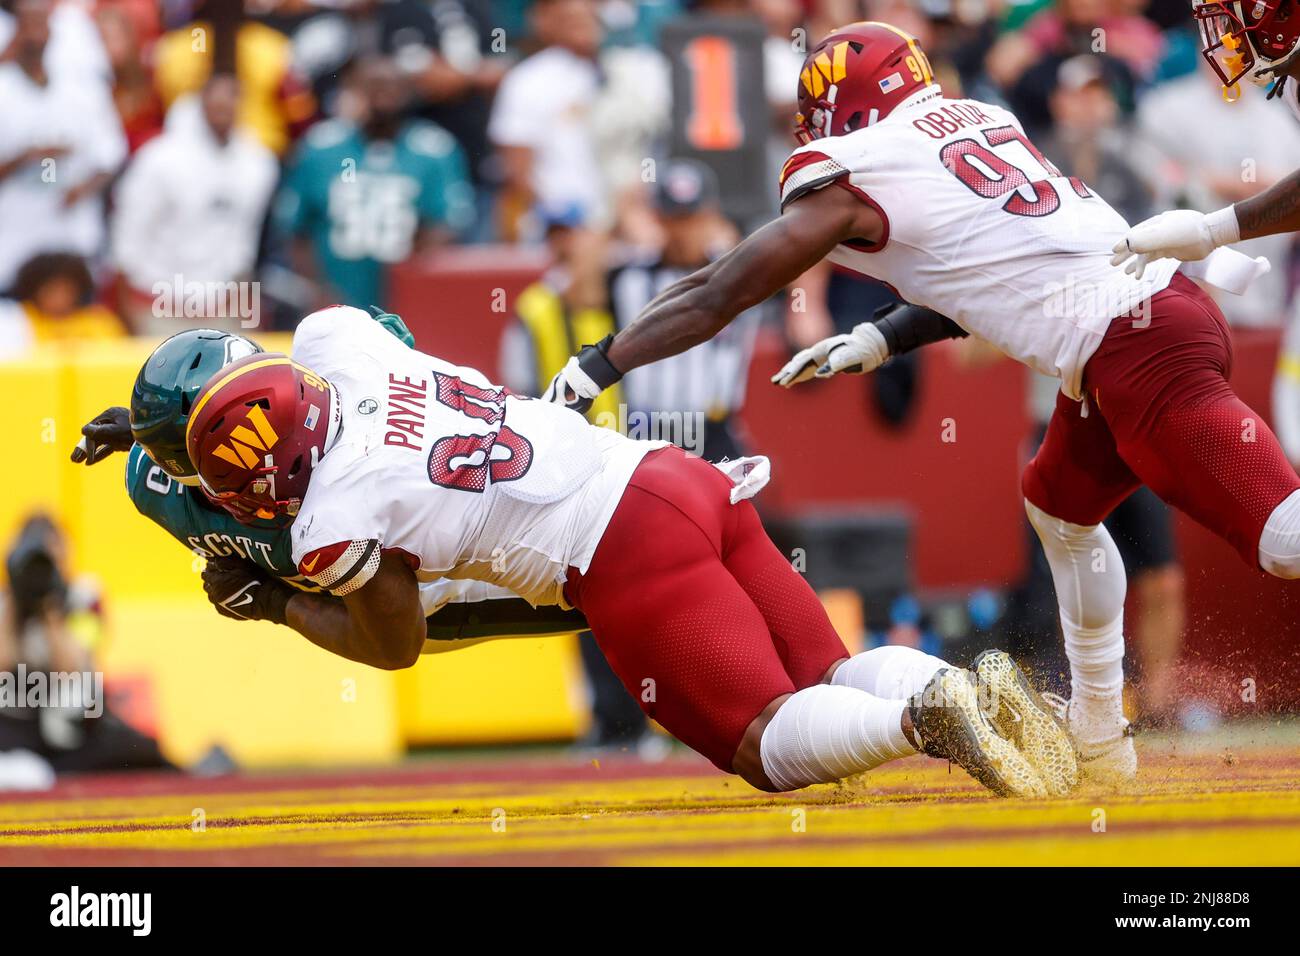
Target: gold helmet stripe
x=226 y=380
x=912 y=45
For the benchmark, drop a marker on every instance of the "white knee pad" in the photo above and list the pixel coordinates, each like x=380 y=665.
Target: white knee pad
x=1279 y=542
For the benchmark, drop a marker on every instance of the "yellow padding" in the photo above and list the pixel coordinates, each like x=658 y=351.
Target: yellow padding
x=261 y=691
x=522 y=689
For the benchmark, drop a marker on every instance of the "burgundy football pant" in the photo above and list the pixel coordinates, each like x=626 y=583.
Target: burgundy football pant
x=702 y=618
x=1160 y=412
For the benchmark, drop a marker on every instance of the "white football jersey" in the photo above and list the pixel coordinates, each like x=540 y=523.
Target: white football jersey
x=435 y=462
x=981 y=227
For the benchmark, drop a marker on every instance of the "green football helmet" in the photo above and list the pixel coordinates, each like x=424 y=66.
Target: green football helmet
x=166 y=387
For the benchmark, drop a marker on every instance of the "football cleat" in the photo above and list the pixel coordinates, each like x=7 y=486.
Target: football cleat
x=1106 y=753
x=1021 y=715
x=951 y=725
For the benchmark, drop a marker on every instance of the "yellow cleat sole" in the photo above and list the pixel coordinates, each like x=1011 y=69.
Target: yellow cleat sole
x=1022 y=716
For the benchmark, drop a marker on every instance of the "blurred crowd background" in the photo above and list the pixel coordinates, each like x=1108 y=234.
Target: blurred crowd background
x=239 y=163
x=213 y=140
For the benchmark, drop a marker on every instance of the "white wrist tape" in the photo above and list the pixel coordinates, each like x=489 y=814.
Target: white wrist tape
x=872 y=343
x=1224 y=229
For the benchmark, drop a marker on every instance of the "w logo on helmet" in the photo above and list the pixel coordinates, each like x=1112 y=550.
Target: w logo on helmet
x=239 y=449
x=827 y=68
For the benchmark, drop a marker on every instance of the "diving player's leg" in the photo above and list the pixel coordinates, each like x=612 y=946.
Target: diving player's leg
x=1072 y=483
x=813 y=654
x=692 y=648
x=697 y=626
x=1178 y=424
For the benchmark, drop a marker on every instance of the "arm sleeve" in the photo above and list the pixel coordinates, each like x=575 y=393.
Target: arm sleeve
x=907 y=327
x=501 y=617
x=343 y=567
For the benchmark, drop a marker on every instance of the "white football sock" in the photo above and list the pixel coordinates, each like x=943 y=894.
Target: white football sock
x=1090 y=586
x=892 y=671
x=826 y=733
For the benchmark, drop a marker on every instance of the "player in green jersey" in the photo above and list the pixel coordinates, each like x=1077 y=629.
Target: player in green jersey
x=250 y=573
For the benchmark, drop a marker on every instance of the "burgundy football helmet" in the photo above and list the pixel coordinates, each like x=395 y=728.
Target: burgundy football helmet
x=856 y=76
x=256 y=431
x=1251 y=39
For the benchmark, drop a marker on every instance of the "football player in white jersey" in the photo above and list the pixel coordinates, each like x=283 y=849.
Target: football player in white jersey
x=1258 y=40
x=398 y=467
x=948 y=202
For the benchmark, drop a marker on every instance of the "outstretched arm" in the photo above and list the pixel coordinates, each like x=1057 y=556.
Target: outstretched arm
x=699 y=306
x=1189 y=235
x=696 y=308
x=1276 y=209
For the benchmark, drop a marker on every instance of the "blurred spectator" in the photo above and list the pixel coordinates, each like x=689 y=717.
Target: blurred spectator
x=52 y=303
x=275 y=103
x=1212 y=153
x=75 y=50
x=573 y=127
x=190 y=205
x=122 y=27
x=1088 y=141
x=441 y=48
x=565 y=308
x=60 y=143
x=1023 y=63
x=50 y=624
x=370 y=190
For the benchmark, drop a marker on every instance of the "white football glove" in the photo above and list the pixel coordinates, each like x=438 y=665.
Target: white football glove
x=862 y=350
x=572 y=387
x=1178 y=234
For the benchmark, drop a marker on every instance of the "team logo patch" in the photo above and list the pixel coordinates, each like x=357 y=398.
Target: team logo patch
x=891 y=82
x=245 y=442
x=826 y=69
x=367 y=406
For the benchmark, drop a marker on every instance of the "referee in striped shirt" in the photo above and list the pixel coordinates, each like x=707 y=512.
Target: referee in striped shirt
x=690 y=399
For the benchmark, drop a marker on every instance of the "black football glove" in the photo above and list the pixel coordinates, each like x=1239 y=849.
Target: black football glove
x=107 y=432
x=241 y=590
x=583 y=378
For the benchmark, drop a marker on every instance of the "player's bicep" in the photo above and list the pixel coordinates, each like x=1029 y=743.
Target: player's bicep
x=789 y=246
x=387 y=608
x=381 y=594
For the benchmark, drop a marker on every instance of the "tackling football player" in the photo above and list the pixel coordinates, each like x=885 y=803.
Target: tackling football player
x=949 y=202
x=248 y=563
x=398 y=467
x=1257 y=40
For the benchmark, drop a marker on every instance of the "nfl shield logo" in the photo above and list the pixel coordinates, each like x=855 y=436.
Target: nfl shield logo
x=891 y=83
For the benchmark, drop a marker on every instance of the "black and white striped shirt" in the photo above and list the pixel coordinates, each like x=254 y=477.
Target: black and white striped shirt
x=710 y=378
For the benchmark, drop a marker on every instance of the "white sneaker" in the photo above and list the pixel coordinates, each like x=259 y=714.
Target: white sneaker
x=1106 y=753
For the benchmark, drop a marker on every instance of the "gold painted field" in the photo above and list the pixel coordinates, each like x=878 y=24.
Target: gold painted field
x=1230 y=799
